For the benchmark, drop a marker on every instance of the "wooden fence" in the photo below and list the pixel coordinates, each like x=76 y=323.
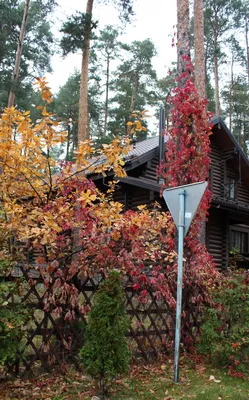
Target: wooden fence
x=53 y=341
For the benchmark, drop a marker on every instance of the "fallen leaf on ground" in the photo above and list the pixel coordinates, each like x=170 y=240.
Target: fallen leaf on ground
x=212 y=378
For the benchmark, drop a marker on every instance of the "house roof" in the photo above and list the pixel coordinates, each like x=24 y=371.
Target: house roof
x=144 y=146
x=222 y=134
x=143 y=152
x=142 y=183
x=149 y=148
x=225 y=139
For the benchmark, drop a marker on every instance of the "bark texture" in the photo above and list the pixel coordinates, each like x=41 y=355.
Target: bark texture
x=216 y=77
x=231 y=95
x=11 y=99
x=83 y=123
x=200 y=74
x=133 y=100
x=247 y=46
x=183 y=34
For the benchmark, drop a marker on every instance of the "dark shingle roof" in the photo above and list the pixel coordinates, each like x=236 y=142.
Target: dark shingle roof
x=153 y=143
x=143 y=147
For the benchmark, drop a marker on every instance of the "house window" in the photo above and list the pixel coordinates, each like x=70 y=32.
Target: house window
x=230 y=188
x=239 y=241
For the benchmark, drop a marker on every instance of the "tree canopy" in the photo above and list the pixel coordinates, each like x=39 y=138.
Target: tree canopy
x=37 y=47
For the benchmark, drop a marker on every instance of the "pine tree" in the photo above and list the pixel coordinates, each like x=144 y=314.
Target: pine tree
x=218 y=19
x=35 y=48
x=134 y=84
x=78 y=36
x=20 y=41
x=67 y=109
x=107 y=48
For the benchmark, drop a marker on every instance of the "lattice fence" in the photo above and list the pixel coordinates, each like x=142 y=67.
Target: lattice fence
x=52 y=341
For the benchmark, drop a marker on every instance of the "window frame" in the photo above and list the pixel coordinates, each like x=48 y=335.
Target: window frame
x=239 y=230
x=231 y=186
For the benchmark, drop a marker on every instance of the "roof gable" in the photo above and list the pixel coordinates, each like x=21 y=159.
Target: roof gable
x=150 y=147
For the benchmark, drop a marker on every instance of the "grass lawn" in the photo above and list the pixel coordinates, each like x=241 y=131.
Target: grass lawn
x=143 y=382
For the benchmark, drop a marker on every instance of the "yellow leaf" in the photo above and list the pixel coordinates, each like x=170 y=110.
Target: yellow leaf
x=142 y=207
x=44 y=112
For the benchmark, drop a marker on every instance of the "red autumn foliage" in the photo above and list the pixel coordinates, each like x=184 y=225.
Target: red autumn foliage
x=81 y=232
x=187 y=161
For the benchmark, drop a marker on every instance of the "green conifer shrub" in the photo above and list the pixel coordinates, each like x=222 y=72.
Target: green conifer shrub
x=225 y=332
x=105 y=353
x=13 y=317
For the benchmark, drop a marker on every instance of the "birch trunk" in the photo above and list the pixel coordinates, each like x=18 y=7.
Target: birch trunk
x=83 y=122
x=11 y=99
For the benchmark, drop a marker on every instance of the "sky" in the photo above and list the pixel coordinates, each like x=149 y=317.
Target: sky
x=154 y=19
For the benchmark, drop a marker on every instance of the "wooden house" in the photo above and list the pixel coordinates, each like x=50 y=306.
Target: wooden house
x=228 y=224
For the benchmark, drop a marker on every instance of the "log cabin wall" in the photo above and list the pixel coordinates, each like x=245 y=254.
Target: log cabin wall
x=132 y=197
x=120 y=195
x=151 y=168
x=217 y=169
x=136 y=196
x=226 y=162
x=243 y=193
x=216 y=232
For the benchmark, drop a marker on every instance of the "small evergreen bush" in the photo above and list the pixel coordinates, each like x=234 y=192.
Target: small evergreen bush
x=105 y=353
x=13 y=317
x=225 y=333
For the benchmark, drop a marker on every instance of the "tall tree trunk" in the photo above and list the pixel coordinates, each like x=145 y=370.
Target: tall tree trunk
x=75 y=137
x=247 y=47
x=231 y=96
x=69 y=134
x=238 y=118
x=11 y=99
x=83 y=124
x=107 y=93
x=133 y=100
x=134 y=92
x=244 y=147
x=200 y=75
x=183 y=34
x=216 y=77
